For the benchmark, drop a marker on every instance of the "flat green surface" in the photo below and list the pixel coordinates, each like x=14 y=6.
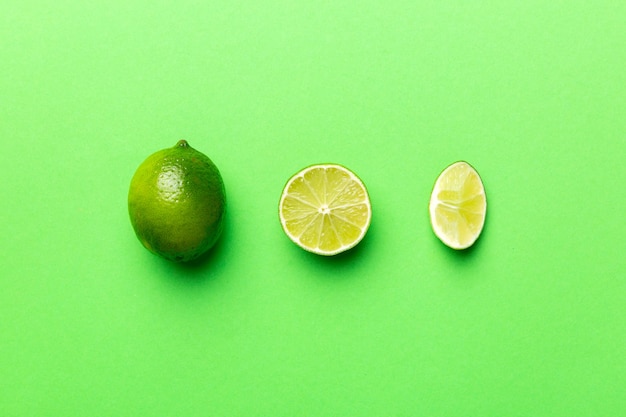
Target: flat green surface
x=529 y=322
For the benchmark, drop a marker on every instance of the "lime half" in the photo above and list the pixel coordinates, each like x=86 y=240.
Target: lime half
x=458 y=206
x=325 y=209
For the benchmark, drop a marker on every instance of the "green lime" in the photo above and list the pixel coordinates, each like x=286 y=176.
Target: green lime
x=176 y=203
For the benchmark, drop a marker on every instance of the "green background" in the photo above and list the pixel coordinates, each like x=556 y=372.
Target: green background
x=528 y=322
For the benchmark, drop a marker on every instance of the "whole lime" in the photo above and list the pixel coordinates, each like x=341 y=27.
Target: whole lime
x=176 y=203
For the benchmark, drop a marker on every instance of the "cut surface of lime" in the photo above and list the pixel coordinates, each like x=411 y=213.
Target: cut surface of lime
x=325 y=209
x=458 y=206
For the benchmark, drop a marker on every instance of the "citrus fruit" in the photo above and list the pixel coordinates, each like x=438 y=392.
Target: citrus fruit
x=458 y=206
x=325 y=209
x=176 y=203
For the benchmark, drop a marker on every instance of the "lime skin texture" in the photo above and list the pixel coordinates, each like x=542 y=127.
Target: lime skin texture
x=177 y=202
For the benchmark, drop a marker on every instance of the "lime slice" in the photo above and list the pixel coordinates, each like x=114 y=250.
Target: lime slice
x=458 y=206
x=325 y=209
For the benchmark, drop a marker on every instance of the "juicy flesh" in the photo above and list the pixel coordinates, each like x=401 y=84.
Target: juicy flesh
x=326 y=209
